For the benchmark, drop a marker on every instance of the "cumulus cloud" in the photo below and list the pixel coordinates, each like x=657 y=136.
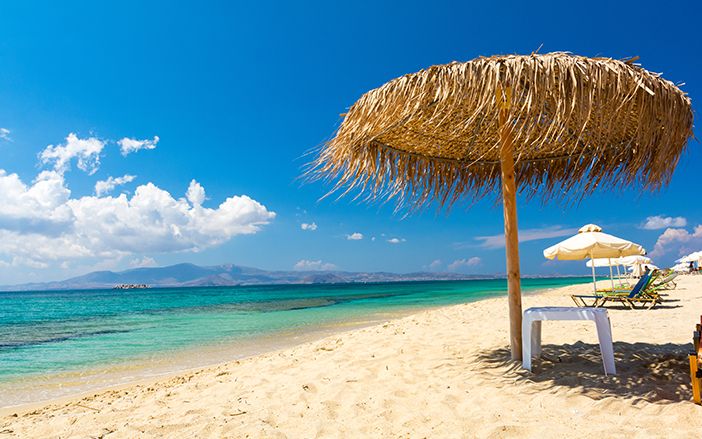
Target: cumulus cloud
x=127 y=145
x=85 y=151
x=309 y=265
x=195 y=193
x=5 y=134
x=41 y=223
x=435 y=264
x=676 y=237
x=355 y=236
x=145 y=261
x=311 y=227
x=38 y=208
x=464 y=263
x=396 y=240
x=661 y=222
x=103 y=187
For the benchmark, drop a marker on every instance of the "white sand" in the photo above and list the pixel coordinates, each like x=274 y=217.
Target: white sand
x=438 y=373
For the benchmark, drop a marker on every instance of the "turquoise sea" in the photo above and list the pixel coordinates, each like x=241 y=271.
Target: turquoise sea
x=55 y=343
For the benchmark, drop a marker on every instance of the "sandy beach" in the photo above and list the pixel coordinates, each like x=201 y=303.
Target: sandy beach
x=438 y=373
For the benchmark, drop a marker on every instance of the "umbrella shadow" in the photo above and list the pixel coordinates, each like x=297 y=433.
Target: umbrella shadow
x=657 y=373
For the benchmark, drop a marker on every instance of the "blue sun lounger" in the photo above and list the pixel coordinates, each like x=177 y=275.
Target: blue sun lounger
x=600 y=299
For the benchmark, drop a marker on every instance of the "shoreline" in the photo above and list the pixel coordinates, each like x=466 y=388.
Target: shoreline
x=435 y=372
x=253 y=348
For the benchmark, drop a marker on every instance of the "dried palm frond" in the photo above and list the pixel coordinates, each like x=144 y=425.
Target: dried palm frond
x=576 y=122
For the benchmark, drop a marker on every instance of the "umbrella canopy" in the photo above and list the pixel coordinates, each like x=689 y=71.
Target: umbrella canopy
x=683 y=267
x=626 y=261
x=638 y=270
x=553 y=124
x=634 y=260
x=602 y=262
x=591 y=242
x=642 y=267
x=692 y=257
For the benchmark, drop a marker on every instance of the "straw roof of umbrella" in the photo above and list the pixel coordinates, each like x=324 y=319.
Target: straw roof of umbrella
x=554 y=124
x=577 y=122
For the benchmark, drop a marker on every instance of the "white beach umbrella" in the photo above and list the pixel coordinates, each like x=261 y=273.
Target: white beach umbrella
x=636 y=264
x=606 y=262
x=634 y=260
x=692 y=257
x=627 y=261
x=681 y=267
x=638 y=270
x=602 y=262
x=591 y=242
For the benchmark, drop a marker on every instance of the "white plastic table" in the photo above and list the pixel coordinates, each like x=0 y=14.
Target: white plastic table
x=531 y=331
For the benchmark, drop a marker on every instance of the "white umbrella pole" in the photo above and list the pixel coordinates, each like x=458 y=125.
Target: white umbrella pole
x=611 y=274
x=594 y=282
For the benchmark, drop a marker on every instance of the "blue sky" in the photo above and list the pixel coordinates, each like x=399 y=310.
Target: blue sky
x=232 y=96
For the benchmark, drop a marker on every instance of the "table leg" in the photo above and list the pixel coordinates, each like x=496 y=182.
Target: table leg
x=526 y=342
x=604 y=334
x=536 y=338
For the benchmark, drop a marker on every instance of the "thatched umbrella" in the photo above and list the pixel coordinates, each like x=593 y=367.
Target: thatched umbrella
x=554 y=124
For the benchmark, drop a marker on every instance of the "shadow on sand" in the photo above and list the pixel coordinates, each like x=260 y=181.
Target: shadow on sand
x=656 y=373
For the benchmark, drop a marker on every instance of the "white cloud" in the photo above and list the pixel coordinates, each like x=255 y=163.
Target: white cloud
x=435 y=264
x=145 y=261
x=41 y=223
x=86 y=151
x=195 y=193
x=39 y=208
x=311 y=227
x=464 y=263
x=318 y=265
x=103 y=187
x=5 y=134
x=396 y=240
x=127 y=145
x=355 y=236
x=526 y=235
x=676 y=237
x=661 y=222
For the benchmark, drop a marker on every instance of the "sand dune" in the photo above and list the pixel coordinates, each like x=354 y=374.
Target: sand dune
x=439 y=373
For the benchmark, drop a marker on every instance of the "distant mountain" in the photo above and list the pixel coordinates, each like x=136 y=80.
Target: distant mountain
x=190 y=275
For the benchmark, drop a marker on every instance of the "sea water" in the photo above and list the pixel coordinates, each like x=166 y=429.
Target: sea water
x=56 y=343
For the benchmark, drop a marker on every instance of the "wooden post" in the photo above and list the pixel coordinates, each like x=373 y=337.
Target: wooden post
x=696 y=395
x=509 y=204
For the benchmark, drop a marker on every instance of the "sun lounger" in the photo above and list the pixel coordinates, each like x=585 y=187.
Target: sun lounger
x=667 y=283
x=641 y=300
x=596 y=300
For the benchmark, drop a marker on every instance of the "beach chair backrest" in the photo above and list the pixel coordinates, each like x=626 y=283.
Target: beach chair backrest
x=640 y=285
x=668 y=278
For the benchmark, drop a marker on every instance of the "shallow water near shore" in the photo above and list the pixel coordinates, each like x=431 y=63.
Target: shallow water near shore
x=57 y=343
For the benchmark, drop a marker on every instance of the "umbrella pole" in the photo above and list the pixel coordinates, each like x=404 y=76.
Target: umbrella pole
x=509 y=200
x=594 y=282
x=611 y=274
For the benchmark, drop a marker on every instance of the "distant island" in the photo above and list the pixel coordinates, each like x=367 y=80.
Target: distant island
x=191 y=275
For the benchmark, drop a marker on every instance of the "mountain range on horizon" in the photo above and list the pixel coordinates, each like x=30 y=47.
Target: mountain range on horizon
x=191 y=275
